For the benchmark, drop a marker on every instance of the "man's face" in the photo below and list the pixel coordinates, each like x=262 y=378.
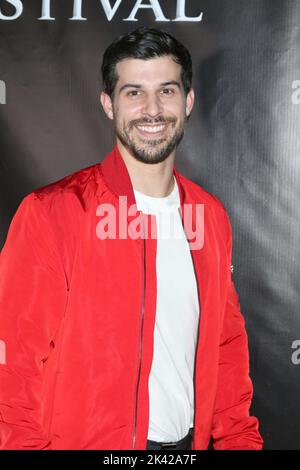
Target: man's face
x=149 y=107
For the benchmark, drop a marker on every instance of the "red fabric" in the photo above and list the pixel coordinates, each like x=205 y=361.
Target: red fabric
x=77 y=318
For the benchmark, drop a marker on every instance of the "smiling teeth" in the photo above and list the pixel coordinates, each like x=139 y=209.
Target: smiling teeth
x=151 y=129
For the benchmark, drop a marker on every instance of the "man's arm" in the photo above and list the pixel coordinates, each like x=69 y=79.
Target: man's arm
x=233 y=428
x=32 y=301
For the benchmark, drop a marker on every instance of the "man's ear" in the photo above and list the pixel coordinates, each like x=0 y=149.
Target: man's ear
x=190 y=99
x=107 y=104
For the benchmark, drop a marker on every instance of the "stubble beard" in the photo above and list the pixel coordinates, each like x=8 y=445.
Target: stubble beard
x=150 y=151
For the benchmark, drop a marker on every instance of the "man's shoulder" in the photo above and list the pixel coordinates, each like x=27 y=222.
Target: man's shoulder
x=74 y=182
x=62 y=203
x=201 y=195
x=77 y=188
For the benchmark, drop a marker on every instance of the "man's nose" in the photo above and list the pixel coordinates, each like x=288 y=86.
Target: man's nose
x=152 y=105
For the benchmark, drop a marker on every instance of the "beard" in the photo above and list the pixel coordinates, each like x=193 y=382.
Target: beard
x=150 y=150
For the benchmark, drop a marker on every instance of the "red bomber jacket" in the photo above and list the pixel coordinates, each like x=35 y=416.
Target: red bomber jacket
x=77 y=315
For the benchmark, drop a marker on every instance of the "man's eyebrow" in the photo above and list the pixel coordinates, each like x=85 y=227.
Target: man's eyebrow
x=135 y=85
x=129 y=85
x=171 y=82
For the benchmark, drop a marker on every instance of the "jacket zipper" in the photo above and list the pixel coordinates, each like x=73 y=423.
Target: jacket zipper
x=197 y=345
x=141 y=330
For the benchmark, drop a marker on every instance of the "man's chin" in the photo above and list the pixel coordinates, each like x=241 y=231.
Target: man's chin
x=148 y=151
x=150 y=157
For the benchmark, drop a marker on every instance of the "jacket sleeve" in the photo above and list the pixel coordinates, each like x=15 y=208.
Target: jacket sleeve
x=233 y=428
x=32 y=301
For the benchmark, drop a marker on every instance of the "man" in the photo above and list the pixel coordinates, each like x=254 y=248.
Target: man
x=121 y=324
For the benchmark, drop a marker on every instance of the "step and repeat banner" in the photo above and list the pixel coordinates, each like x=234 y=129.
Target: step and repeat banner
x=242 y=144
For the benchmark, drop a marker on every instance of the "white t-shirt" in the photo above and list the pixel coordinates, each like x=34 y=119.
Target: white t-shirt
x=171 y=387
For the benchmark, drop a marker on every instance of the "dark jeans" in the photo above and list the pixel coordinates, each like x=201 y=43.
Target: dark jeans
x=183 y=444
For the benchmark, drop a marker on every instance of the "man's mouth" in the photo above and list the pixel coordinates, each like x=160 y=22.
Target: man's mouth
x=153 y=129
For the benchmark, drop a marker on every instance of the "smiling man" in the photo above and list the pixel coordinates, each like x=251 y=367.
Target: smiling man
x=126 y=341
x=149 y=114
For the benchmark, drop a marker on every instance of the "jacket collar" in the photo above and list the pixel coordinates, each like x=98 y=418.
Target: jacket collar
x=117 y=178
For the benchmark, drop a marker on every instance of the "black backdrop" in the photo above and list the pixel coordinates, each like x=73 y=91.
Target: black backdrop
x=242 y=144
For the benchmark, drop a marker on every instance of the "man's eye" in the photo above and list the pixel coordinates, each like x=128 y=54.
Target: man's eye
x=167 y=91
x=133 y=93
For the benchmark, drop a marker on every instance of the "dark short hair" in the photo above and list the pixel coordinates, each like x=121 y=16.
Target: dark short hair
x=144 y=43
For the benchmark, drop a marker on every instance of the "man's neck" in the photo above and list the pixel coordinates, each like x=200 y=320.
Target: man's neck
x=154 y=180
